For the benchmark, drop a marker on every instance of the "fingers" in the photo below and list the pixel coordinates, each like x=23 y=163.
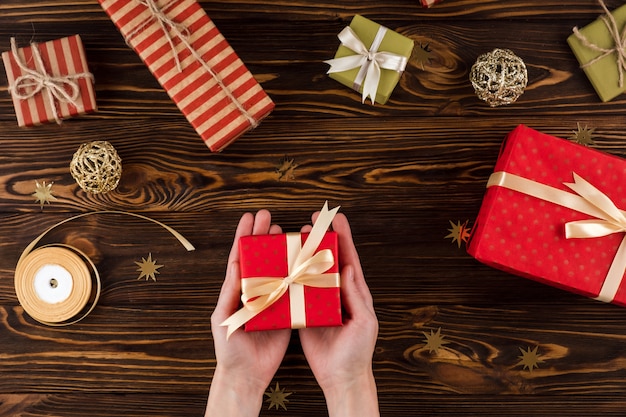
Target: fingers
x=356 y=302
x=262 y=222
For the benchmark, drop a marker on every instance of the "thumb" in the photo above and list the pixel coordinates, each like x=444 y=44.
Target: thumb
x=230 y=293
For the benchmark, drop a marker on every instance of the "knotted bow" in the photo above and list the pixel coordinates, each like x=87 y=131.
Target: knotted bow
x=62 y=88
x=619 y=40
x=608 y=219
x=370 y=61
x=305 y=268
x=172 y=29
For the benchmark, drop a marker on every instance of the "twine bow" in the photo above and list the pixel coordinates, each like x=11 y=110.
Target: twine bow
x=61 y=88
x=370 y=61
x=608 y=219
x=618 y=38
x=182 y=33
x=305 y=268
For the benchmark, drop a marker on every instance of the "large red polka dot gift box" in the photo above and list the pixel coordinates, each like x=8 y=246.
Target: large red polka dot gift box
x=553 y=212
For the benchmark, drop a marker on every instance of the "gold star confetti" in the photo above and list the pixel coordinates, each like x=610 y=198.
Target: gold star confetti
x=277 y=397
x=434 y=341
x=286 y=169
x=43 y=193
x=459 y=232
x=148 y=268
x=530 y=358
x=583 y=135
x=422 y=55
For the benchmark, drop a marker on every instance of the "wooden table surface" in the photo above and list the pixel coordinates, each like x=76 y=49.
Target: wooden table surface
x=401 y=172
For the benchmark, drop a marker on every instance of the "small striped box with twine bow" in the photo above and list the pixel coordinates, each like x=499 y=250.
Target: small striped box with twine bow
x=49 y=81
x=194 y=63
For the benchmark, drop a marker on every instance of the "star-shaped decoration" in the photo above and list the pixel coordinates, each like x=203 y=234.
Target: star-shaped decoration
x=277 y=397
x=529 y=358
x=583 y=135
x=148 y=268
x=434 y=341
x=43 y=193
x=286 y=168
x=459 y=232
x=422 y=55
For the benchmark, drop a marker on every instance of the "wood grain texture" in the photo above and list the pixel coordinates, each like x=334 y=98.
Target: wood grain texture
x=401 y=173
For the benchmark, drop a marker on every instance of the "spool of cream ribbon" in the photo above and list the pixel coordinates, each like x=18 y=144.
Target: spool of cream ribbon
x=59 y=285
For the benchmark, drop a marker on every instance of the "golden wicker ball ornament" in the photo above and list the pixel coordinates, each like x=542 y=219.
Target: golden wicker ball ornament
x=499 y=77
x=96 y=167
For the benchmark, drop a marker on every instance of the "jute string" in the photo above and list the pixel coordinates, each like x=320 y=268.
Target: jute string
x=180 y=31
x=618 y=38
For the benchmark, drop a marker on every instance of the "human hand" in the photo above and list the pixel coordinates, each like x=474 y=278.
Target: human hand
x=247 y=361
x=341 y=357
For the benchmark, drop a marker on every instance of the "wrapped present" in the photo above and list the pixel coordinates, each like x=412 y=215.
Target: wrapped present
x=552 y=213
x=597 y=49
x=194 y=63
x=429 y=3
x=289 y=280
x=370 y=59
x=49 y=81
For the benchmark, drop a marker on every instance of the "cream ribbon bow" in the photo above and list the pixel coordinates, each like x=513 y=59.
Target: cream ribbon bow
x=370 y=61
x=62 y=88
x=305 y=268
x=608 y=219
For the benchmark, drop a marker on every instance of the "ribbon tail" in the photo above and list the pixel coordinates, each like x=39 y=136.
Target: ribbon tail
x=370 y=85
x=615 y=275
x=345 y=63
x=238 y=319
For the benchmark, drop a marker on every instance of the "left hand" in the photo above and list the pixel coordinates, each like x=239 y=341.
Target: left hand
x=247 y=361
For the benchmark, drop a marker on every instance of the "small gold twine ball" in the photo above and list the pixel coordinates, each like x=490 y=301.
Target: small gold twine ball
x=499 y=77
x=96 y=167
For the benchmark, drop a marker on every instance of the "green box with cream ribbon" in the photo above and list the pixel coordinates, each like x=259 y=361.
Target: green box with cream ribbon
x=370 y=59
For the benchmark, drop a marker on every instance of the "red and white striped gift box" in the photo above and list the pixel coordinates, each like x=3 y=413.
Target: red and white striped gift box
x=194 y=63
x=429 y=3
x=63 y=64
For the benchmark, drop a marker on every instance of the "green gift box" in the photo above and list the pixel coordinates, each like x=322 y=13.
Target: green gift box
x=604 y=73
x=375 y=45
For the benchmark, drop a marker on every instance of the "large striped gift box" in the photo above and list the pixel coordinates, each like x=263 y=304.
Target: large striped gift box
x=194 y=63
x=49 y=81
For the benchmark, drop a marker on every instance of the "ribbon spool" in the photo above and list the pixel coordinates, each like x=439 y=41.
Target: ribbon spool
x=59 y=285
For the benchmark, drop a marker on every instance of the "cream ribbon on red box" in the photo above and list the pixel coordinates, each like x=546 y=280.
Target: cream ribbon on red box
x=305 y=267
x=180 y=31
x=63 y=88
x=370 y=61
x=589 y=200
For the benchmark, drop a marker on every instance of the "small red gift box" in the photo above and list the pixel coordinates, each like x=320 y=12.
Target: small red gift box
x=551 y=214
x=429 y=3
x=194 y=63
x=263 y=256
x=49 y=81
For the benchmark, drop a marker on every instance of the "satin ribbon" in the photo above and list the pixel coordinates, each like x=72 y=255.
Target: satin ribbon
x=62 y=88
x=370 y=61
x=305 y=268
x=181 y=32
x=620 y=43
x=607 y=218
